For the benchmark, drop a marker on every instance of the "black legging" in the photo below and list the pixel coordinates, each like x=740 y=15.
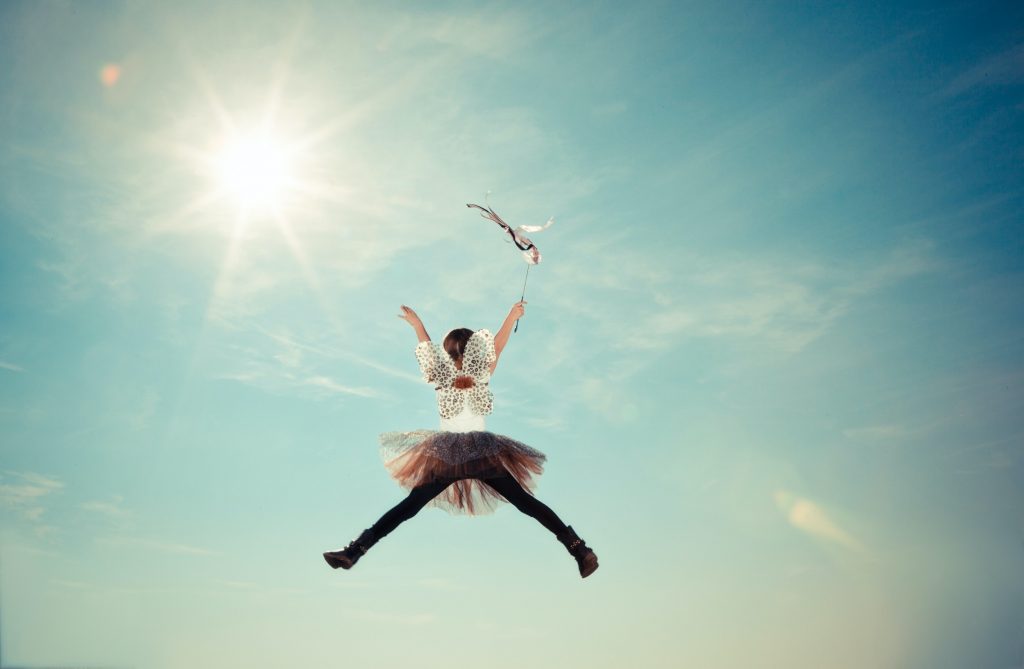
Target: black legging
x=504 y=484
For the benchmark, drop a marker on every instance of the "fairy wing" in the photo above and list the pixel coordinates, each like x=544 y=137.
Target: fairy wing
x=435 y=363
x=476 y=362
x=479 y=356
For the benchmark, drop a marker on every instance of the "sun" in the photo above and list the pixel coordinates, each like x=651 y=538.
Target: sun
x=255 y=170
x=262 y=170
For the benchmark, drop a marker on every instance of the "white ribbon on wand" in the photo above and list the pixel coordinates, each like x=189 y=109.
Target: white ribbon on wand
x=530 y=252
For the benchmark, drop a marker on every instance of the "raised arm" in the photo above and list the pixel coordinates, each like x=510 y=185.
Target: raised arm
x=409 y=316
x=500 y=339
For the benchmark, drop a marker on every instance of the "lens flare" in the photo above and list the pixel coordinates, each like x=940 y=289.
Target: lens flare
x=110 y=74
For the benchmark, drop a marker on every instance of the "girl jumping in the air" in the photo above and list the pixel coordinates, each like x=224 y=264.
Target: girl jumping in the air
x=462 y=468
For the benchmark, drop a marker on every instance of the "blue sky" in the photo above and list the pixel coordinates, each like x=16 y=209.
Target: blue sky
x=773 y=351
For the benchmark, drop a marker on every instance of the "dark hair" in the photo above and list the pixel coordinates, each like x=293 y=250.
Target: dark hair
x=455 y=342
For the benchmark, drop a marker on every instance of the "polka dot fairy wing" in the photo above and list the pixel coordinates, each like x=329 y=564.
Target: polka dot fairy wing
x=481 y=399
x=450 y=402
x=435 y=364
x=476 y=362
x=479 y=356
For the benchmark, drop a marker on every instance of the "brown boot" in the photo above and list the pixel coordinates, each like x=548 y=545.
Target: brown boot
x=349 y=555
x=585 y=557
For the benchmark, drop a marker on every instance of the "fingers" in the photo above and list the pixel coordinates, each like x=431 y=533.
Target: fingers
x=409 y=315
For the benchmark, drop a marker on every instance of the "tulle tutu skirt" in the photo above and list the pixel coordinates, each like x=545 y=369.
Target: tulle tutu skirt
x=422 y=456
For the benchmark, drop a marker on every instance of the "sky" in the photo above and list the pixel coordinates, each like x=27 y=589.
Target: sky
x=773 y=351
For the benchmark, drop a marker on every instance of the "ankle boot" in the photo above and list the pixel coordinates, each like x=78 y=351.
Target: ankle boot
x=349 y=555
x=585 y=557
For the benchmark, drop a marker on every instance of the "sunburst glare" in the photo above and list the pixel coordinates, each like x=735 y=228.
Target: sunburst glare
x=256 y=170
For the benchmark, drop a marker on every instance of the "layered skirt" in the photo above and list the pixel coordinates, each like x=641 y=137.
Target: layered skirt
x=467 y=459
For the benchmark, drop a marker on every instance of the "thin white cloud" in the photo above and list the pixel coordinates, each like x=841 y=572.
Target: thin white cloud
x=641 y=305
x=893 y=431
x=546 y=422
x=274 y=379
x=26 y=488
x=26 y=494
x=112 y=508
x=10 y=366
x=156 y=545
x=333 y=386
x=987 y=455
x=878 y=432
x=1002 y=69
x=294 y=348
x=783 y=303
x=45 y=482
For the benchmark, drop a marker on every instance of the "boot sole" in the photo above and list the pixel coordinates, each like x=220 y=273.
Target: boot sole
x=589 y=565
x=336 y=562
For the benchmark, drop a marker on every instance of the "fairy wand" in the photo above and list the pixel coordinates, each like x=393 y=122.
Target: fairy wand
x=530 y=252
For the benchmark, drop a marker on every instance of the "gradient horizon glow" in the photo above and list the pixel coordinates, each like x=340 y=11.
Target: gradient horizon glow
x=773 y=351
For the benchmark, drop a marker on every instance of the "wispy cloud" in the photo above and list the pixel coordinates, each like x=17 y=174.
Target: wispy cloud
x=10 y=366
x=878 y=432
x=26 y=493
x=333 y=386
x=546 y=422
x=1001 y=69
x=156 y=545
x=640 y=310
x=292 y=367
x=112 y=508
x=294 y=349
x=985 y=456
x=279 y=382
x=783 y=303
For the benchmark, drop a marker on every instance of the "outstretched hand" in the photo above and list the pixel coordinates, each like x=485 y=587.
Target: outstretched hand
x=409 y=316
